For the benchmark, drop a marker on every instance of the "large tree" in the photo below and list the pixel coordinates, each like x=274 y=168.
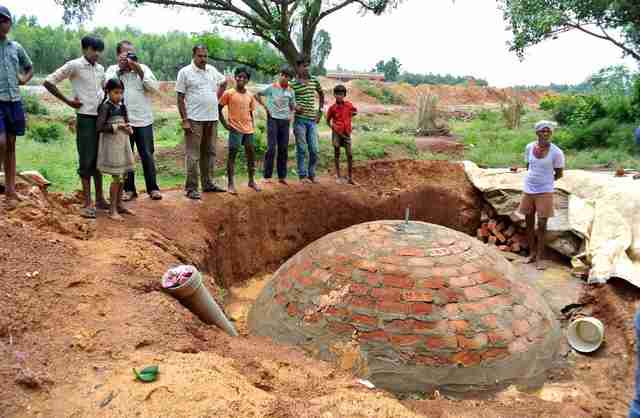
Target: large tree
x=533 y=21
x=271 y=20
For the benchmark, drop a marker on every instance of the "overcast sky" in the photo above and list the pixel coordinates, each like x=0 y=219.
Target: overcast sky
x=465 y=37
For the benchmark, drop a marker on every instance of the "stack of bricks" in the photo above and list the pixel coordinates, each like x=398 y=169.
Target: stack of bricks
x=436 y=298
x=502 y=232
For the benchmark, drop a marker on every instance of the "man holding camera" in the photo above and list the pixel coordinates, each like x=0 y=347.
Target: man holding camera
x=139 y=85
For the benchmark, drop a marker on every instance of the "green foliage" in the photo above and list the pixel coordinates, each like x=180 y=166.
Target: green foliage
x=447 y=79
x=379 y=91
x=273 y=22
x=32 y=105
x=148 y=374
x=533 y=21
x=390 y=69
x=575 y=109
x=47 y=131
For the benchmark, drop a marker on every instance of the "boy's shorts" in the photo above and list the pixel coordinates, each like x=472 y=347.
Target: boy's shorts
x=12 y=118
x=541 y=203
x=340 y=140
x=238 y=138
x=87 y=144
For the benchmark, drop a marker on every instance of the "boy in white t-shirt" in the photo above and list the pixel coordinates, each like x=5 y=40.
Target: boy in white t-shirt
x=545 y=163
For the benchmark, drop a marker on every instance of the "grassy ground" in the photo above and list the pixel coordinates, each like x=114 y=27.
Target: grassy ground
x=487 y=142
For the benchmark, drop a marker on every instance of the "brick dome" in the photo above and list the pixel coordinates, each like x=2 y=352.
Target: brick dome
x=426 y=308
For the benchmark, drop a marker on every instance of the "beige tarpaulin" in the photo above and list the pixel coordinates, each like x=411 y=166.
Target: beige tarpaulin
x=597 y=218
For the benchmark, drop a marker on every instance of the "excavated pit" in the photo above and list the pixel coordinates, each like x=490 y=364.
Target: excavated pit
x=256 y=233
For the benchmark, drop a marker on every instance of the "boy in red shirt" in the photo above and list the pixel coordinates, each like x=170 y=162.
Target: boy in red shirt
x=339 y=118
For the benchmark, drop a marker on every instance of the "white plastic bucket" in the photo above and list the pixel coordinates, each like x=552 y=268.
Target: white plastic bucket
x=585 y=334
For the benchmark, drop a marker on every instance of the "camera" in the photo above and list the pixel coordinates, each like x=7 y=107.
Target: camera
x=132 y=56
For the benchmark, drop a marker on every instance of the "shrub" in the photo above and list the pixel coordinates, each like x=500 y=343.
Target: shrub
x=32 y=104
x=549 y=102
x=619 y=108
x=512 y=111
x=487 y=115
x=381 y=93
x=47 y=132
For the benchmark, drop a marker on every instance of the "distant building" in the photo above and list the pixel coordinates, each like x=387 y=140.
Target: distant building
x=352 y=75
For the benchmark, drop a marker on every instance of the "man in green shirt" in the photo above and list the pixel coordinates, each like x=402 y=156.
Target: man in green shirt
x=306 y=119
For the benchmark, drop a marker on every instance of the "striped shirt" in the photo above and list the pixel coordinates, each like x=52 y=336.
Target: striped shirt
x=306 y=97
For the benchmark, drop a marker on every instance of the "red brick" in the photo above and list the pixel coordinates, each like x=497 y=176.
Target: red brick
x=494 y=353
x=410 y=252
x=418 y=296
x=373 y=279
x=304 y=280
x=462 y=281
x=501 y=284
x=315 y=317
x=459 y=326
x=520 y=327
x=489 y=321
x=452 y=309
x=281 y=300
x=378 y=335
x=451 y=296
x=393 y=307
x=397 y=281
x=292 y=309
x=343 y=271
x=405 y=340
x=445 y=271
x=394 y=270
x=358 y=289
x=432 y=283
x=500 y=300
x=386 y=294
x=438 y=343
x=392 y=260
x=364 y=320
x=306 y=264
x=367 y=266
x=477 y=342
x=363 y=302
x=500 y=337
x=337 y=312
x=401 y=325
x=475 y=293
x=438 y=252
x=432 y=360
x=284 y=284
x=421 y=308
x=340 y=328
x=321 y=275
x=421 y=272
x=474 y=307
x=466 y=358
x=422 y=326
x=469 y=268
x=483 y=277
x=420 y=262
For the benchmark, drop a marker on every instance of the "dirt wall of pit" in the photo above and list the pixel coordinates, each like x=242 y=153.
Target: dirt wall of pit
x=257 y=232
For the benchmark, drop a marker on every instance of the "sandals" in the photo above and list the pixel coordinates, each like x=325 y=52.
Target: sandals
x=155 y=195
x=128 y=196
x=213 y=189
x=193 y=195
x=88 y=213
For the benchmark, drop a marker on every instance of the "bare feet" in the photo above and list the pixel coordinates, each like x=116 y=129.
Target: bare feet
x=531 y=259
x=541 y=265
x=340 y=180
x=267 y=181
x=314 y=180
x=351 y=182
x=254 y=186
x=305 y=181
x=231 y=188
x=115 y=217
x=283 y=181
x=125 y=211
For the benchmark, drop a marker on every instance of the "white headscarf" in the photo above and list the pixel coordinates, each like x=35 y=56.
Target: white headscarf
x=545 y=124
